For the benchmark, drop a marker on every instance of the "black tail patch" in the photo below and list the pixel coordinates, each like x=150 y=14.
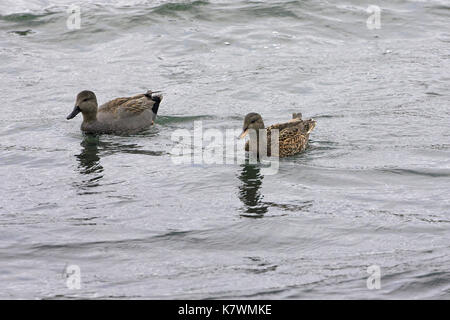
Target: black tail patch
x=157 y=101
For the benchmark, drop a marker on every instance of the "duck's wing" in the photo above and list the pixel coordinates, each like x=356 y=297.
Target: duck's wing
x=305 y=126
x=128 y=106
x=293 y=136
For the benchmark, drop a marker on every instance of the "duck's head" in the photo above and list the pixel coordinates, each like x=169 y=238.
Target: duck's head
x=252 y=121
x=86 y=103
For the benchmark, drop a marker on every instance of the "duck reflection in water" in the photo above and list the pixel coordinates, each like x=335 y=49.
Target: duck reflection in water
x=89 y=159
x=249 y=191
x=250 y=195
x=89 y=163
x=94 y=147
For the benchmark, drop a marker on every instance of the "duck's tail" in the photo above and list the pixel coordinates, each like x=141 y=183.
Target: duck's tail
x=312 y=125
x=156 y=98
x=297 y=115
x=297 y=118
x=150 y=94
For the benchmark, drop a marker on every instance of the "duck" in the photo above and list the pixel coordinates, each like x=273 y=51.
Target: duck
x=293 y=135
x=121 y=115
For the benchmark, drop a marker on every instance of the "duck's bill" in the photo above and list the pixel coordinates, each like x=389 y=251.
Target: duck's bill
x=243 y=134
x=74 y=113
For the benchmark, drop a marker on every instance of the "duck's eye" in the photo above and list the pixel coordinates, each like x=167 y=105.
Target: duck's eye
x=253 y=121
x=84 y=100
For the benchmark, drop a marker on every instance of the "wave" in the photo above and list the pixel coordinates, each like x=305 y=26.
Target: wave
x=38 y=7
x=281 y=7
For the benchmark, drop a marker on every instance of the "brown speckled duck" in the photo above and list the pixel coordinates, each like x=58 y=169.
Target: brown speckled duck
x=120 y=115
x=293 y=135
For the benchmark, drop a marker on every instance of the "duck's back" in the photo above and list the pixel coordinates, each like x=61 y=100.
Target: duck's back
x=293 y=136
x=127 y=106
x=128 y=113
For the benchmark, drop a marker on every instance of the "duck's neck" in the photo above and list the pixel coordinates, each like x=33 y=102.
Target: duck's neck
x=259 y=141
x=89 y=118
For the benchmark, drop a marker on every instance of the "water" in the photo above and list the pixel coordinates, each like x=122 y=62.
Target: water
x=372 y=189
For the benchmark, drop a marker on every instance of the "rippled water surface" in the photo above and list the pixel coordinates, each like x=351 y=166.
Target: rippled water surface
x=372 y=189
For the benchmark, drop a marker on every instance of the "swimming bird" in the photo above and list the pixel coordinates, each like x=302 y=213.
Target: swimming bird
x=293 y=135
x=121 y=115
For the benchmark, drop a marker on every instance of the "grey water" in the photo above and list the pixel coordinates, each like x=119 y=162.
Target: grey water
x=372 y=189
